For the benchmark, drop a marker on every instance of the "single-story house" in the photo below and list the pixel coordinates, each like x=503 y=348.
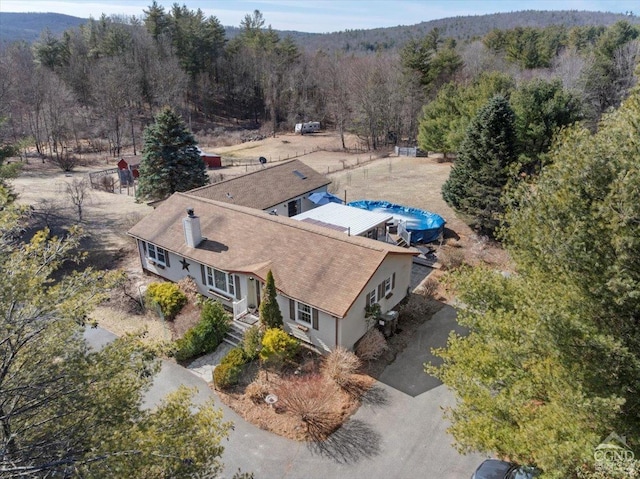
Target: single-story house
x=282 y=189
x=349 y=220
x=325 y=279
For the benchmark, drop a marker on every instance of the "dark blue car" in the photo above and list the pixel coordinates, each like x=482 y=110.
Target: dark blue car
x=495 y=469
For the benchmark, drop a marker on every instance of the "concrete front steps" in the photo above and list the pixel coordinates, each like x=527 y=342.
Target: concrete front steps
x=235 y=335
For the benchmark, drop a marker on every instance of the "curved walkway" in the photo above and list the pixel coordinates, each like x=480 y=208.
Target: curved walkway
x=393 y=434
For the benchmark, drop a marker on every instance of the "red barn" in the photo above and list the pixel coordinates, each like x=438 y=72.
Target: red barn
x=211 y=159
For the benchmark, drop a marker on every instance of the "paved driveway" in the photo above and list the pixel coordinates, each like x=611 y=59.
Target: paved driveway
x=393 y=435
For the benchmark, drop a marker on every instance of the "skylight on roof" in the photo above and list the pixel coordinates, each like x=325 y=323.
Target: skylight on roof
x=299 y=175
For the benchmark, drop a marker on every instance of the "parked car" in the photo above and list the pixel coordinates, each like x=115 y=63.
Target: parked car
x=496 y=469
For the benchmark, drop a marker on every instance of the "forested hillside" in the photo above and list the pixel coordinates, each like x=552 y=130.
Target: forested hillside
x=28 y=26
x=98 y=85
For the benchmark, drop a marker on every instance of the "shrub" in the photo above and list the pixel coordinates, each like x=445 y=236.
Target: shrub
x=418 y=307
x=225 y=376
x=227 y=373
x=451 y=259
x=258 y=389
x=189 y=286
x=371 y=346
x=340 y=365
x=205 y=336
x=234 y=358
x=277 y=345
x=252 y=342
x=310 y=399
x=168 y=297
x=429 y=288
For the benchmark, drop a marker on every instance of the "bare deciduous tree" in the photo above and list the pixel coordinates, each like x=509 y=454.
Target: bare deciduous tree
x=78 y=191
x=569 y=67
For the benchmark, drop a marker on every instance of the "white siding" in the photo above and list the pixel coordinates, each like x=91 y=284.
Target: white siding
x=323 y=337
x=175 y=272
x=353 y=326
x=305 y=204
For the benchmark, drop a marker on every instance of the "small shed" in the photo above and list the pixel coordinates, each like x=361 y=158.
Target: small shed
x=211 y=159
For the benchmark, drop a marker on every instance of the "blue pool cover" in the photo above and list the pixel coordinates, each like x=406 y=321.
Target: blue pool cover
x=423 y=225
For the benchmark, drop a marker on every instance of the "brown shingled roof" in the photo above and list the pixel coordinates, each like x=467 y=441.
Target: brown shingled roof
x=312 y=264
x=266 y=187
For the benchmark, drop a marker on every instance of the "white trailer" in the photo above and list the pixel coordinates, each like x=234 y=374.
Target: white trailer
x=308 y=127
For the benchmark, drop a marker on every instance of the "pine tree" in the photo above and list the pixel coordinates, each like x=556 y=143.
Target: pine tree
x=70 y=411
x=551 y=364
x=270 y=315
x=480 y=172
x=171 y=162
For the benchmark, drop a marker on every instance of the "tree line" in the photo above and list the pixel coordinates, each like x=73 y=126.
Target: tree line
x=551 y=366
x=97 y=86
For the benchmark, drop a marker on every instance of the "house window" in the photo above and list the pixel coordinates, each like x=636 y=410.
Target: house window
x=387 y=286
x=371 y=298
x=220 y=281
x=157 y=254
x=304 y=313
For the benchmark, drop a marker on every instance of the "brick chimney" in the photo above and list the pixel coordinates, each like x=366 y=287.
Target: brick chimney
x=191 y=226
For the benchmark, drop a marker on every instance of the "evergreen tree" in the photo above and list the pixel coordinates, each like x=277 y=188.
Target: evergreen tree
x=445 y=120
x=70 y=411
x=270 y=315
x=552 y=363
x=541 y=109
x=480 y=172
x=171 y=161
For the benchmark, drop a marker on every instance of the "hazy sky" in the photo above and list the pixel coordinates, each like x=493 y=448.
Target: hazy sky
x=322 y=15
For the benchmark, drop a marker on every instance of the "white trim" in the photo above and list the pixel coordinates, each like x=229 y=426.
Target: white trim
x=153 y=255
x=229 y=281
x=300 y=312
x=388 y=286
x=373 y=297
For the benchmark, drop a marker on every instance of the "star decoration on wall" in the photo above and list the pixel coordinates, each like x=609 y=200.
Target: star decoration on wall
x=184 y=263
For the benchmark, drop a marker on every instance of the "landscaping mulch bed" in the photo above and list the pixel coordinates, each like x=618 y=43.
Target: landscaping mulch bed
x=248 y=400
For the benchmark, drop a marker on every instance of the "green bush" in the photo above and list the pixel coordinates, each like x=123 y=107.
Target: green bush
x=234 y=358
x=168 y=296
x=205 y=336
x=277 y=345
x=225 y=375
x=252 y=342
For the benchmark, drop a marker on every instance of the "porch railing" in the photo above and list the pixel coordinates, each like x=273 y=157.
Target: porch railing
x=239 y=308
x=403 y=232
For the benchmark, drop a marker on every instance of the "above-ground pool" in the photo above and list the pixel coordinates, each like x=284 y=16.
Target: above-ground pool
x=423 y=225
